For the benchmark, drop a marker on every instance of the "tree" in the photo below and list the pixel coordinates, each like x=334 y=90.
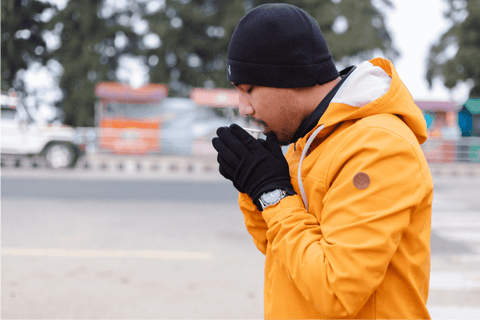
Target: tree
x=88 y=55
x=196 y=34
x=22 y=42
x=185 y=42
x=354 y=29
x=195 y=37
x=455 y=57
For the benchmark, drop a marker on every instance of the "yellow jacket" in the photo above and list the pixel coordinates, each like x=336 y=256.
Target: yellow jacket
x=362 y=248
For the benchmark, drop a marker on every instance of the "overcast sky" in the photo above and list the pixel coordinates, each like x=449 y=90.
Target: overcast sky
x=416 y=25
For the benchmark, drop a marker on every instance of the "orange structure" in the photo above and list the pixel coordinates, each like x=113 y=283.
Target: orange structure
x=119 y=114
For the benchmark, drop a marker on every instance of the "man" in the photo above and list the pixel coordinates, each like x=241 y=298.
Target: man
x=344 y=217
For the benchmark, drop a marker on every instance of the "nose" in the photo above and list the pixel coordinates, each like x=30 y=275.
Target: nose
x=245 y=108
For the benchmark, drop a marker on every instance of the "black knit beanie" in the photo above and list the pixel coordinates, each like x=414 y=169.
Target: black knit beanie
x=279 y=45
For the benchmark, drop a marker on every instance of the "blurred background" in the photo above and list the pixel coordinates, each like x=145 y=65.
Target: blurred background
x=112 y=204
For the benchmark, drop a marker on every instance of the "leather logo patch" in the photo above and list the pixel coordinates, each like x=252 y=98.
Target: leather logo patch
x=361 y=180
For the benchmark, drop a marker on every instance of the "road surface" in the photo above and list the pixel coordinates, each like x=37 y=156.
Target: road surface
x=131 y=248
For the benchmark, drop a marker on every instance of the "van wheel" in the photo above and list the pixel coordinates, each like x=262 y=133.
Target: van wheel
x=60 y=156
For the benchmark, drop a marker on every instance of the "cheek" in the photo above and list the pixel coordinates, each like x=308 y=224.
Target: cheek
x=282 y=112
x=274 y=109
x=286 y=120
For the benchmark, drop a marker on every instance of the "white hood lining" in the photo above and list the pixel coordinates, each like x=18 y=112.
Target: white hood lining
x=367 y=83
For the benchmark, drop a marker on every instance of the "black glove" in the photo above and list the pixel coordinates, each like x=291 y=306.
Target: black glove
x=272 y=147
x=254 y=167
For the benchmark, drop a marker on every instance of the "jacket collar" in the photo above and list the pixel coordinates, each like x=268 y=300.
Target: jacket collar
x=311 y=122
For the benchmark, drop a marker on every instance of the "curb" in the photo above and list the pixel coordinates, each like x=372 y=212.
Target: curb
x=150 y=164
x=204 y=165
x=161 y=165
x=455 y=169
x=110 y=167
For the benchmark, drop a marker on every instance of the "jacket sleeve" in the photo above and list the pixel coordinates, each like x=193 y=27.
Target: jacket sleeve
x=339 y=256
x=256 y=225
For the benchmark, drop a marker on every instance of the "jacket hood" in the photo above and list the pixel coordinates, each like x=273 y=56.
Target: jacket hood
x=374 y=87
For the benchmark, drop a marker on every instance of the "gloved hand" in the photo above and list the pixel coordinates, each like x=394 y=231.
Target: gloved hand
x=273 y=145
x=254 y=167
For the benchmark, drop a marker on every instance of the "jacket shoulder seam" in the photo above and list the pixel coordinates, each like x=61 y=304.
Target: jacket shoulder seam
x=371 y=127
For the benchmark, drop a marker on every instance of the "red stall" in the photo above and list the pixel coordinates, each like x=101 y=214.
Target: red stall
x=130 y=118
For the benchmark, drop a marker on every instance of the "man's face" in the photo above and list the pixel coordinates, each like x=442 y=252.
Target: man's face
x=276 y=109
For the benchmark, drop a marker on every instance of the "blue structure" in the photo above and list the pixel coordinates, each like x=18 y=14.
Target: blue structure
x=469 y=118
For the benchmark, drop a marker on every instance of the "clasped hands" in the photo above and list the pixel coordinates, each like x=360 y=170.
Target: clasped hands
x=255 y=166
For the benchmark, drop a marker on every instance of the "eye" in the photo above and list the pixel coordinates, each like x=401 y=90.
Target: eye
x=250 y=90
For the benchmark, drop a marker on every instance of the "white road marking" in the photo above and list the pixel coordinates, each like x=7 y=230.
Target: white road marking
x=454 y=280
x=455 y=219
x=466 y=258
x=440 y=204
x=468 y=236
x=454 y=312
x=89 y=253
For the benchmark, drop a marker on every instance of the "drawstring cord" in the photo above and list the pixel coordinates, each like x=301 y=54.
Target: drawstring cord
x=304 y=153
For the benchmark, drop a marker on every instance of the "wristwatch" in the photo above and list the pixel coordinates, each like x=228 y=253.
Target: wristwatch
x=272 y=197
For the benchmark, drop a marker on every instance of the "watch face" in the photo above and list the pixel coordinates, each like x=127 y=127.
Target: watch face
x=271 y=197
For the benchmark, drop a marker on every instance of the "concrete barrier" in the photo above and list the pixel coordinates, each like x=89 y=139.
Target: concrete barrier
x=455 y=169
x=150 y=164
x=185 y=165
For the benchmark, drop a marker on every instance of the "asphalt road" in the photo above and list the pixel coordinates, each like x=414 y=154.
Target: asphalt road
x=131 y=249
x=130 y=190
x=126 y=248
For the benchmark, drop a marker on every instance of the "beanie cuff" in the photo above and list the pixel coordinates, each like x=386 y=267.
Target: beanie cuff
x=281 y=76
